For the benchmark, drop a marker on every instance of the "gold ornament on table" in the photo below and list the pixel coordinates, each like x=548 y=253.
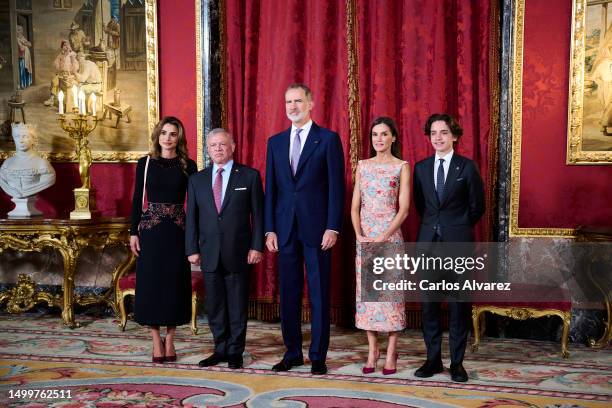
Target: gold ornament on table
x=79 y=124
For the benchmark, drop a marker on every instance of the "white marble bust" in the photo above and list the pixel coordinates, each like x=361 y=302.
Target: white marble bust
x=25 y=173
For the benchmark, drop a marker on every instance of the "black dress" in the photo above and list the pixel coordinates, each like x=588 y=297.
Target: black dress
x=163 y=275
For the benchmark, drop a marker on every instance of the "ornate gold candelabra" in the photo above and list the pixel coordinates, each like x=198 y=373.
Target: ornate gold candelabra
x=79 y=126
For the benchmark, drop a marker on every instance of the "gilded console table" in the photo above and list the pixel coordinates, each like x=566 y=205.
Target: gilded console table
x=69 y=237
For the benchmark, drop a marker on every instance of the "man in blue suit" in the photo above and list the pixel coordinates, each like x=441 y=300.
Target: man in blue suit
x=303 y=211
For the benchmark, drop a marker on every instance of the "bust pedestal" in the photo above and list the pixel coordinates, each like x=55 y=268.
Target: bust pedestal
x=24 y=207
x=84 y=204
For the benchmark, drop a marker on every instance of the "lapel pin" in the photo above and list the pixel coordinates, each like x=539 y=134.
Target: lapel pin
x=316 y=141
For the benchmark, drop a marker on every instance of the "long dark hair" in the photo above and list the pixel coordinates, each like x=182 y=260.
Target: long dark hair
x=396 y=149
x=181 y=146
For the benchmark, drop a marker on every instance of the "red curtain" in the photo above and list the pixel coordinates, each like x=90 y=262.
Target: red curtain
x=270 y=45
x=413 y=58
x=421 y=57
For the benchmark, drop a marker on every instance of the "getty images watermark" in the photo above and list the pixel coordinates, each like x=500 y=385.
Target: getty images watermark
x=482 y=272
x=412 y=265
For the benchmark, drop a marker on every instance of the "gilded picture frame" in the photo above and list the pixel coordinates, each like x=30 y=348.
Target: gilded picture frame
x=589 y=138
x=121 y=39
x=518 y=36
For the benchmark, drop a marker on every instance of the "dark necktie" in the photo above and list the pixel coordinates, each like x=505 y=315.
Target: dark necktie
x=440 y=181
x=295 y=151
x=218 y=189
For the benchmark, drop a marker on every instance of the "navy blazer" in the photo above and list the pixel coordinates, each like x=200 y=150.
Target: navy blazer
x=462 y=204
x=314 y=198
x=230 y=234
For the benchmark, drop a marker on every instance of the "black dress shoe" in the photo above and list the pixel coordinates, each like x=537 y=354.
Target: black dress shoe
x=318 y=368
x=212 y=360
x=429 y=369
x=234 y=362
x=287 y=364
x=458 y=373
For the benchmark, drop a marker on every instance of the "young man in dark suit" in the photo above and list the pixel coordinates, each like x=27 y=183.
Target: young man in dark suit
x=449 y=197
x=224 y=235
x=303 y=213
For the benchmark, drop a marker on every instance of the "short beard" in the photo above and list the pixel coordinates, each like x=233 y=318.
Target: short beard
x=297 y=117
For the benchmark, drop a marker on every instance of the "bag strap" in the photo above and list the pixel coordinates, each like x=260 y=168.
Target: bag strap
x=144 y=183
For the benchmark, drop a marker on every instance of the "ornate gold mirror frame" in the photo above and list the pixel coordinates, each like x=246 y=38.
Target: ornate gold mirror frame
x=121 y=117
x=589 y=138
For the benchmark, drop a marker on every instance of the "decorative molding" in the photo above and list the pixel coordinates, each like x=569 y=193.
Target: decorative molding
x=353 y=84
x=199 y=85
x=152 y=70
x=494 y=119
x=517 y=123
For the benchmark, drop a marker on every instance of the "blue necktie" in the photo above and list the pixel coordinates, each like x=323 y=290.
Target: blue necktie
x=440 y=181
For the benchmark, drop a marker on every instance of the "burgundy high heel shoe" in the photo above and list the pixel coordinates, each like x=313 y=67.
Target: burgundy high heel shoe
x=370 y=370
x=170 y=358
x=161 y=359
x=389 y=371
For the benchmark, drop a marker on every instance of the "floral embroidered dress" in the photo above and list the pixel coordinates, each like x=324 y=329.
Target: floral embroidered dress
x=163 y=275
x=379 y=187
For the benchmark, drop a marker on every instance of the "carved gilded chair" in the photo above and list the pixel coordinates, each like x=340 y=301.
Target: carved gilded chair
x=126 y=286
x=560 y=305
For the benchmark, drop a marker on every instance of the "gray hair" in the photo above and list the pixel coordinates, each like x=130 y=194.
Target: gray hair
x=304 y=87
x=216 y=131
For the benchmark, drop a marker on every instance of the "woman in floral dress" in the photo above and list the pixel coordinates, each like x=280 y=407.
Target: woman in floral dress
x=381 y=199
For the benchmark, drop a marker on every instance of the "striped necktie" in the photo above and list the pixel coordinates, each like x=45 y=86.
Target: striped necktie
x=218 y=189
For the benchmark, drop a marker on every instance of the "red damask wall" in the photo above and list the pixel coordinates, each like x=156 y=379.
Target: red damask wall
x=553 y=194
x=177 y=78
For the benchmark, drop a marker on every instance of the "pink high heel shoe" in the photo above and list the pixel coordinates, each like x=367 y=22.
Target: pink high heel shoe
x=369 y=370
x=389 y=371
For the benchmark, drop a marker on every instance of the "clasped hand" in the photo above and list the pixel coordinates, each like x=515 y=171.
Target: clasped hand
x=329 y=240
x=253 y=257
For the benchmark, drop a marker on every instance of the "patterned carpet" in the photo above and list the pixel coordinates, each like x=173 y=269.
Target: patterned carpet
x=102 y=367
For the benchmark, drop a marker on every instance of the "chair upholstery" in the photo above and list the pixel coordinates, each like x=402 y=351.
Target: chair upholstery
x=556 y=303
x=126 y=286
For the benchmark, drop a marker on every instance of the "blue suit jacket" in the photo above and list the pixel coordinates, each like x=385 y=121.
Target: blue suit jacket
x=314 y=198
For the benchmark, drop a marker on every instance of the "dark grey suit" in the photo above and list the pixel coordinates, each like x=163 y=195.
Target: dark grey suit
x=223 y=239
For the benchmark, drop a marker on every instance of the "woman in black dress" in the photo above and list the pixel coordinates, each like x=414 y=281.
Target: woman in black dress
x=163 y=275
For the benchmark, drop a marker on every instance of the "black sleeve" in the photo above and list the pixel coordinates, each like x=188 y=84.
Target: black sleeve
x=476 y=194
x=137 y=198
x=257 y=213
x=192 y=245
